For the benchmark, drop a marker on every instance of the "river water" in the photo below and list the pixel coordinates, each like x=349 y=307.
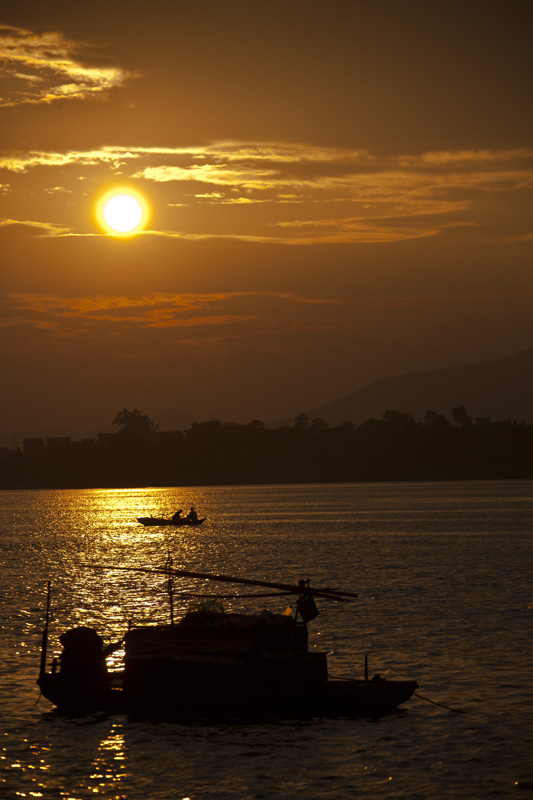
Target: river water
x=443 y=573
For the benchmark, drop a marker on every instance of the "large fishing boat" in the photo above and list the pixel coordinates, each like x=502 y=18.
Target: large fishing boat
x=215 y=663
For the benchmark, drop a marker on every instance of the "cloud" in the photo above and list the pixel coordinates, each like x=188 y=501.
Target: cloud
x=43 y=68
x=112 y=314
x=112 y=157
x=303 y=194
x=25 y=228
x=194 y=322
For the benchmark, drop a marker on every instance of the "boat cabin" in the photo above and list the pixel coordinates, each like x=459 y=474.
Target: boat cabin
x=217 y=649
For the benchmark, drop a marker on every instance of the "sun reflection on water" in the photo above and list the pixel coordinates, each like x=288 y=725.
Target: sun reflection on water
x=87 y=587
x=94 y=765
x=109 y=766
x=418 y=556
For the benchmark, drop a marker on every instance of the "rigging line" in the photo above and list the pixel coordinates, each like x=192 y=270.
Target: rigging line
x=441 y=705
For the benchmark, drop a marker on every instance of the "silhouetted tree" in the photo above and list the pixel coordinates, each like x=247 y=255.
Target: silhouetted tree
x=301 y=422
x=318 y=426
x=398 y=422
x=135 y=422
x=434 y=420
x=395 y=447
x=461 y=417
x=256 y=425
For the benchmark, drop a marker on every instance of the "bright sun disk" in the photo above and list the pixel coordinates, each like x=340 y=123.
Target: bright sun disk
x=122 y=212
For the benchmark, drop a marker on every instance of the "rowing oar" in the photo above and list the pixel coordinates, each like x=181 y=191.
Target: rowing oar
x=330 y=594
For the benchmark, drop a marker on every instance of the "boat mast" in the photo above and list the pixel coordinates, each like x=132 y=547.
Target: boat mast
x=170 y=586
x=44 y=639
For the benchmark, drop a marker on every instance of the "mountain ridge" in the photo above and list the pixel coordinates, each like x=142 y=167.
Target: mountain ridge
x=499 y=389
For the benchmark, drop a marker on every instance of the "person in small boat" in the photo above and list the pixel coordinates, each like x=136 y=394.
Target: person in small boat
x=192 y=516
x=84 y=655
x=177 y=516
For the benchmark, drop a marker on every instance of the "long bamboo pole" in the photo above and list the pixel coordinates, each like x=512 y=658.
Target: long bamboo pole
x=326 y=592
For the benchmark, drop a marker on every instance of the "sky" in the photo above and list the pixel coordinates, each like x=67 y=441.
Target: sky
x=337 y=192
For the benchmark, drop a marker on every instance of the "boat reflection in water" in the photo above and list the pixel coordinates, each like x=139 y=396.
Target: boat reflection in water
x=212 y=663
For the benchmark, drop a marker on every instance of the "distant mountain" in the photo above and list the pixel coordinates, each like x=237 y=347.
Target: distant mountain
x=501 y=389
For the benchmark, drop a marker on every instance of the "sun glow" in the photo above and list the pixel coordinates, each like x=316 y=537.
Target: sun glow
x=122 y=212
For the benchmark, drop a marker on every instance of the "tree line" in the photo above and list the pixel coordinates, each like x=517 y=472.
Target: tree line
x=395 y=447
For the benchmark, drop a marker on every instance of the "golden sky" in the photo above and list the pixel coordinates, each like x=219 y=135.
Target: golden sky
x=338 y=192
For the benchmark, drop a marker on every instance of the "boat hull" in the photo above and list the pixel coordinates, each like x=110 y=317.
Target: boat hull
x=150 y=522
x=333 y=699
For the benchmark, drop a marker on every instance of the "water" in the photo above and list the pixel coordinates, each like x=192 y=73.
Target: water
x=443 y=573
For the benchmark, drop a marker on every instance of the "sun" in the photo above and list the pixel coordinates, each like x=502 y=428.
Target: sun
x=122 y=212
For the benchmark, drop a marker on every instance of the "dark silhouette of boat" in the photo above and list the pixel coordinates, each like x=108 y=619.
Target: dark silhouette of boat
x=213 y=663
x=182 y=522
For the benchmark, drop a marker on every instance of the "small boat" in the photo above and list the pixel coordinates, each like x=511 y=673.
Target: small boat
x=213 y=663
x=184 y=521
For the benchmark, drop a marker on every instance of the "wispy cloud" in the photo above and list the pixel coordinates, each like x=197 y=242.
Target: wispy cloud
x=46 y=67
x=111 y=157
x=109 y=315
x=298 y=193
x=31 y=228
